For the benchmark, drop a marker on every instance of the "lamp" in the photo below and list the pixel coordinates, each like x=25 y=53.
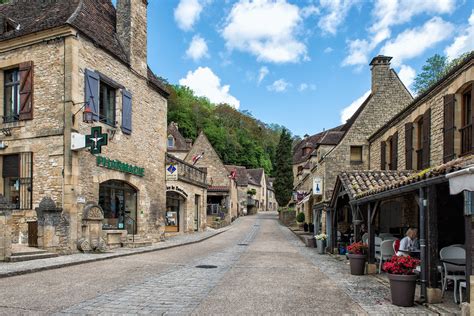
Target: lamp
x=87 y=115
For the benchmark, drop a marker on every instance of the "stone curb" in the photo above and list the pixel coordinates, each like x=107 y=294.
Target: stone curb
x=112 y=256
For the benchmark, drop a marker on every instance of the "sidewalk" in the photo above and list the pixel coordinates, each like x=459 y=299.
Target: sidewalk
x=371 y=292
x=16 y=268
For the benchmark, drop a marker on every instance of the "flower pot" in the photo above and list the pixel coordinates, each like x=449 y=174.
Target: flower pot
x=321 y=245
x=402 y=288
x=357 y=263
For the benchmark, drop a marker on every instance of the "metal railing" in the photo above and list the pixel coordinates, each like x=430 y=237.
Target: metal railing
x=187 y=171
x=466 y=139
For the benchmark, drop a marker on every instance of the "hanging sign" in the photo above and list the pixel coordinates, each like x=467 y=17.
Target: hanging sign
x=120 y=166
x=96 y=140
x=171 y=172
x=317 y=186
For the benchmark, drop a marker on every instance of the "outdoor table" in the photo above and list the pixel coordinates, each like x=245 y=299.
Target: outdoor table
x=412 y=253
x=461 y=262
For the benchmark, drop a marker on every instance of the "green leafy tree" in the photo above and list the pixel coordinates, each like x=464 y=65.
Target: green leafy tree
x=283 y=169
x=432 y=71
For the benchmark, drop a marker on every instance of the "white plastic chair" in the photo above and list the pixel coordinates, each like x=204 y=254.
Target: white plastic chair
x=377 y=242
x=386 y=252
x=384 y=235
x=365 y=238
x=389 y=238
x=451 y=271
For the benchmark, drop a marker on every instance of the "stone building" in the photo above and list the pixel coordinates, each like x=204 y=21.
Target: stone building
x=222 y=193
x=272 y=204
x=257 y=181
x=186 y=187
x=84 y=118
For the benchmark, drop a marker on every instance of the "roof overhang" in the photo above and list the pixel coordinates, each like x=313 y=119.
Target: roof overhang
x=461 y=180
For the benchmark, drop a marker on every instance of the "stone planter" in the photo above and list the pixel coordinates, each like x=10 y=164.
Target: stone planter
x=321 y=245
x=402 y=288
x=357 y=263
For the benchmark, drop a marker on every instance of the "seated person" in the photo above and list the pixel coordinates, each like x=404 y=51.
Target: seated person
x=409 y=242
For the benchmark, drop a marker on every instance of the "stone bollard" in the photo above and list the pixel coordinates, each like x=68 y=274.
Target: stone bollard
x=49 y=216
x=5 y=235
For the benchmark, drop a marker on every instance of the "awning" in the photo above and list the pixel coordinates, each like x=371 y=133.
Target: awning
x=461 y=180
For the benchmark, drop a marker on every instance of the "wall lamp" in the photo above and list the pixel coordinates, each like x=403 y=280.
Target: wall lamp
x=87 y=115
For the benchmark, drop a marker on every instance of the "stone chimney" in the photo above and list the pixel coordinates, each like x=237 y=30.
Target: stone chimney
x=380 y=71
x=189 y=142
x=131 y=29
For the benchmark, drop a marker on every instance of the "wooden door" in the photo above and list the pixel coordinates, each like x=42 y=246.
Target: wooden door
x=33 y=234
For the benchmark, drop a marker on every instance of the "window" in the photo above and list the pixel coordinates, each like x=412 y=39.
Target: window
x=107 y=104
x=17 y=172
x=11 y=110
x=170 y=141
x=356 y=154
x=466 y=121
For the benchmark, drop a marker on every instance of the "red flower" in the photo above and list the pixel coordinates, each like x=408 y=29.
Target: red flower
x=358 y=248
x=401 y=265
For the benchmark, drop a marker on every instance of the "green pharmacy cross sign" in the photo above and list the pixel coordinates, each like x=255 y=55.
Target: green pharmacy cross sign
x=96 y=140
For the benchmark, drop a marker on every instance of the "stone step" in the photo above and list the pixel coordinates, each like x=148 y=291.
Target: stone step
x=29 y=256
x=137 y=244
x=26 y=253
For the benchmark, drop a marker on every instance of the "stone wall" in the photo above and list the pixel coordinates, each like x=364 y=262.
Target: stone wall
x=433 y=101
x=5 y=239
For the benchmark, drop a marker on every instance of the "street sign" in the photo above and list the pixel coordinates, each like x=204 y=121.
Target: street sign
x=317 y=186
x=171 y=172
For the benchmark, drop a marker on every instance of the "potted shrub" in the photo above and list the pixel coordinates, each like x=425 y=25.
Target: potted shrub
x=321 y=242
x=305 y=227
x=357 y=254
x=402 y=278
x=311 y=228
x=300 y=219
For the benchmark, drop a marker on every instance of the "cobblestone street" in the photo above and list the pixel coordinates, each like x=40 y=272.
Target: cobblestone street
x=256 y=267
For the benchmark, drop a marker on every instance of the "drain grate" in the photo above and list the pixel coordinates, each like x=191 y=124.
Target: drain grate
x=242 y=244
x=206 y=266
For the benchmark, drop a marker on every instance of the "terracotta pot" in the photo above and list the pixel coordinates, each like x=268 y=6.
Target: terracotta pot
x=402 y=288
x=321 y=245
x=357 y=263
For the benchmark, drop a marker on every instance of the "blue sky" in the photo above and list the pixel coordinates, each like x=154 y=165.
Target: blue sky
x=299 y=63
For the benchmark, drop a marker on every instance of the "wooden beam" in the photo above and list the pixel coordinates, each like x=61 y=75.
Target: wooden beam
x=371 y=236
x=374 y=211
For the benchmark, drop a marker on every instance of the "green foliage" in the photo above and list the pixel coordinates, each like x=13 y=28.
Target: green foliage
x=434 y=69
x=237 y=137
x=300 y=217
x=251 y=192
x=283 y=169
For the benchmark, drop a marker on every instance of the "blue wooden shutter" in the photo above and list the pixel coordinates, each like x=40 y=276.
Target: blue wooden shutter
x=92 y=93
x=126 y=112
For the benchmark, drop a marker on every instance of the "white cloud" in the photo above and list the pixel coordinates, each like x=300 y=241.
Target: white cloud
x=310 y=10
x=207 y=84
x=407 y=76
x=267 y=29
x=279 y=85
x=328 y=50
x=187 y=13
x=462 y=43
x=306 y=86
x=197 y=49
x=337 y=11
x=348 y=111
x=262 y=73
x=389 y=13
x=414 y=42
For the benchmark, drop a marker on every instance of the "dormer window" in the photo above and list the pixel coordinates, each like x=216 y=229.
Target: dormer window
x=170 y=141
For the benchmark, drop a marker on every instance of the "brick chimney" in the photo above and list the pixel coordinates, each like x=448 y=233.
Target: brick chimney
x=132 y=31
x=380 y=71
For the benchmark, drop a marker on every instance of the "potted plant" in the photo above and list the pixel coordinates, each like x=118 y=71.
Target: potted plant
x=311 y=228
x=402 y=278
x=300 y=219
x=321 y=242
x=357 y=254
x=305 y=227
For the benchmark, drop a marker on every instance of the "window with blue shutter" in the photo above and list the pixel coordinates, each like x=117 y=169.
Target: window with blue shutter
x=92 y=93
x=126 y=112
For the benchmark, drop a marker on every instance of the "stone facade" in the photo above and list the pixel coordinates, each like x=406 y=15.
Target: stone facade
x=455 y=84
x=60 y=57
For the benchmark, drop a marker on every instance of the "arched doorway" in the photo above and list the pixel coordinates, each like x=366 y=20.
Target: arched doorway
x=118 y=199
x=174 y=217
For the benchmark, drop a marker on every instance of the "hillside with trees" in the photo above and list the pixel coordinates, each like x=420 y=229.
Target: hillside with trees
x=237 y=136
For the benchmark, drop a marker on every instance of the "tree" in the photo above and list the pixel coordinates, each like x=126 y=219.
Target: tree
x=432 y=71
x=283 y=169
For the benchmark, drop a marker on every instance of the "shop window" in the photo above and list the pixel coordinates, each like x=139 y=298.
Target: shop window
x=11 y=110
x=118 y=200
x=356 y=154
x=107 y=104
x=17 y=173
x=466 y=121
